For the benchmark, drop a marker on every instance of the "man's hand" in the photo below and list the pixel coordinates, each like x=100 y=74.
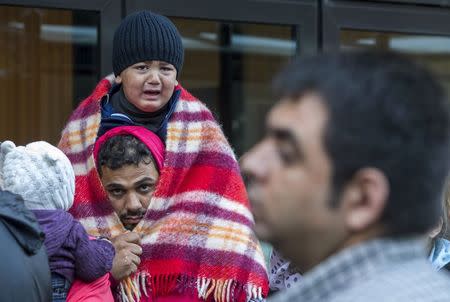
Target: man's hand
x=128 y=249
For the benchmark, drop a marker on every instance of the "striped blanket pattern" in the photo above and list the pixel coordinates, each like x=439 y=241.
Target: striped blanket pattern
x=197 y=232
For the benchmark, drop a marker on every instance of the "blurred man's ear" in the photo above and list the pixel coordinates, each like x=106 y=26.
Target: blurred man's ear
x=118 y=79
x=437 y=229
x=364 y=199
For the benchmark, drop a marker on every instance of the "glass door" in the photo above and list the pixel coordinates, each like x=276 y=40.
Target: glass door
x=50 y=60
x=233 y=49
x=422 y=32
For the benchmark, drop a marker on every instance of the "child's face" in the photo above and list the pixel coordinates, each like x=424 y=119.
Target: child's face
x=148 y=85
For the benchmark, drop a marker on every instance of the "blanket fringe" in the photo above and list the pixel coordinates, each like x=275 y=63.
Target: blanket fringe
x=225 y=290
x=134 y=287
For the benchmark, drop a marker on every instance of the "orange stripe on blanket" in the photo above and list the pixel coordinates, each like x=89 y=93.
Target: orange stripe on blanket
x=196 y=130
x=185 y=229
x=186 y=222
x=64 y=143
x=207 y=234
x=93 y=127
x=170 y=223
x=91 y=137
x=216 y=137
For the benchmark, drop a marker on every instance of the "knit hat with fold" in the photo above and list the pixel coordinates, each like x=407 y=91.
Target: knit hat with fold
x=146 y=36
x=40 y=173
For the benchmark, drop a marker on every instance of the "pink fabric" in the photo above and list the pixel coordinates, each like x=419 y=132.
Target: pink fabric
x=176 y=299
x=96 y=291
x=100 y=291
x=151 y=140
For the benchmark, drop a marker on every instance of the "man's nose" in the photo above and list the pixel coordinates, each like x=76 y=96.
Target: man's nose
x=133 y=202
x=253 y=164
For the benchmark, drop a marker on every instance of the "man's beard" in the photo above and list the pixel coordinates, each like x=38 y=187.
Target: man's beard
x=130 y=226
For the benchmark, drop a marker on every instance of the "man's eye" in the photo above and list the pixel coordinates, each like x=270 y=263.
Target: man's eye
x=287 y=156
x=116 y=192
x=166 y=69
x=145 y=188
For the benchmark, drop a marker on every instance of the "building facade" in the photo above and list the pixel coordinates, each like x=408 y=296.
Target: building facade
x=53 y=52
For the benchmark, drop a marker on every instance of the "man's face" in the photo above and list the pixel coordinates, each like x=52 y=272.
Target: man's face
x=289 y=184
x=148 y=85
x=130 y=189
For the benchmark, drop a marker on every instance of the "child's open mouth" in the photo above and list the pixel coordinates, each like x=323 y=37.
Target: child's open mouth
x=152 y=93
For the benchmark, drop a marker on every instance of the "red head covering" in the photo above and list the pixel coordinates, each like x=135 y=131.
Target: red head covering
x=150 y=139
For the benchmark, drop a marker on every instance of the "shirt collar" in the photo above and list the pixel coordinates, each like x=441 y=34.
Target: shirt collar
x=440 y=253
x=341 y=270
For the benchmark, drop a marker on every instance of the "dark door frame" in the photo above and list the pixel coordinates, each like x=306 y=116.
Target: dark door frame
x=383 y=17
x=420 y=2
x=110 y=12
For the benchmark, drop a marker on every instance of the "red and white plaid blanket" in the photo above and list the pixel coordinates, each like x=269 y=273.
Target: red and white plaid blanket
x=197 y=233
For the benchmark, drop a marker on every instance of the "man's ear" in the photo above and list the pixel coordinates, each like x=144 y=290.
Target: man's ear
x=118 y=79
x=364 y=199
x=437 y=229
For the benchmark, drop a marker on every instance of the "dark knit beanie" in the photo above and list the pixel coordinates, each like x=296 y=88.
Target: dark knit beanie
x=146 y=36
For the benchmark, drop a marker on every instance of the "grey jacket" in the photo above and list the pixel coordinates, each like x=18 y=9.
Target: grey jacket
x=24 y=270
x=387 y=270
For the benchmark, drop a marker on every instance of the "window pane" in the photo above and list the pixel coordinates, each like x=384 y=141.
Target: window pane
x=230 y=66
x=433 y=51
x=48 y=59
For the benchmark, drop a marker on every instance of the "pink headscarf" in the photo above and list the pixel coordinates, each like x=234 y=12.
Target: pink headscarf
x=150 y=139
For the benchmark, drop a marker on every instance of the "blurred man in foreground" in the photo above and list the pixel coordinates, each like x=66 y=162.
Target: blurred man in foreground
x=349 y=177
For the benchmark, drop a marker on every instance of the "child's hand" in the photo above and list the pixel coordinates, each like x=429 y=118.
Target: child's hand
x=128 y=250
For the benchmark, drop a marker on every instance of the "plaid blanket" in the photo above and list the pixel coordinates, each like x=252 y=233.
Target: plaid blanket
x=197 y=232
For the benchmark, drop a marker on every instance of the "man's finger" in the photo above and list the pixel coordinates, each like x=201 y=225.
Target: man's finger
x=132 y=237
x=131 y=269
x=134 y=248
x=121 y=241
x=135 y=259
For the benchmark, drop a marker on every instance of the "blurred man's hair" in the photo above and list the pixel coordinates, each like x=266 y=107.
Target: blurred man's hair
x=386 y=112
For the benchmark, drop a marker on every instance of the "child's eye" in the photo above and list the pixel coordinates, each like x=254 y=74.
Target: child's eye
x=141 y=67
x=166 y=68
